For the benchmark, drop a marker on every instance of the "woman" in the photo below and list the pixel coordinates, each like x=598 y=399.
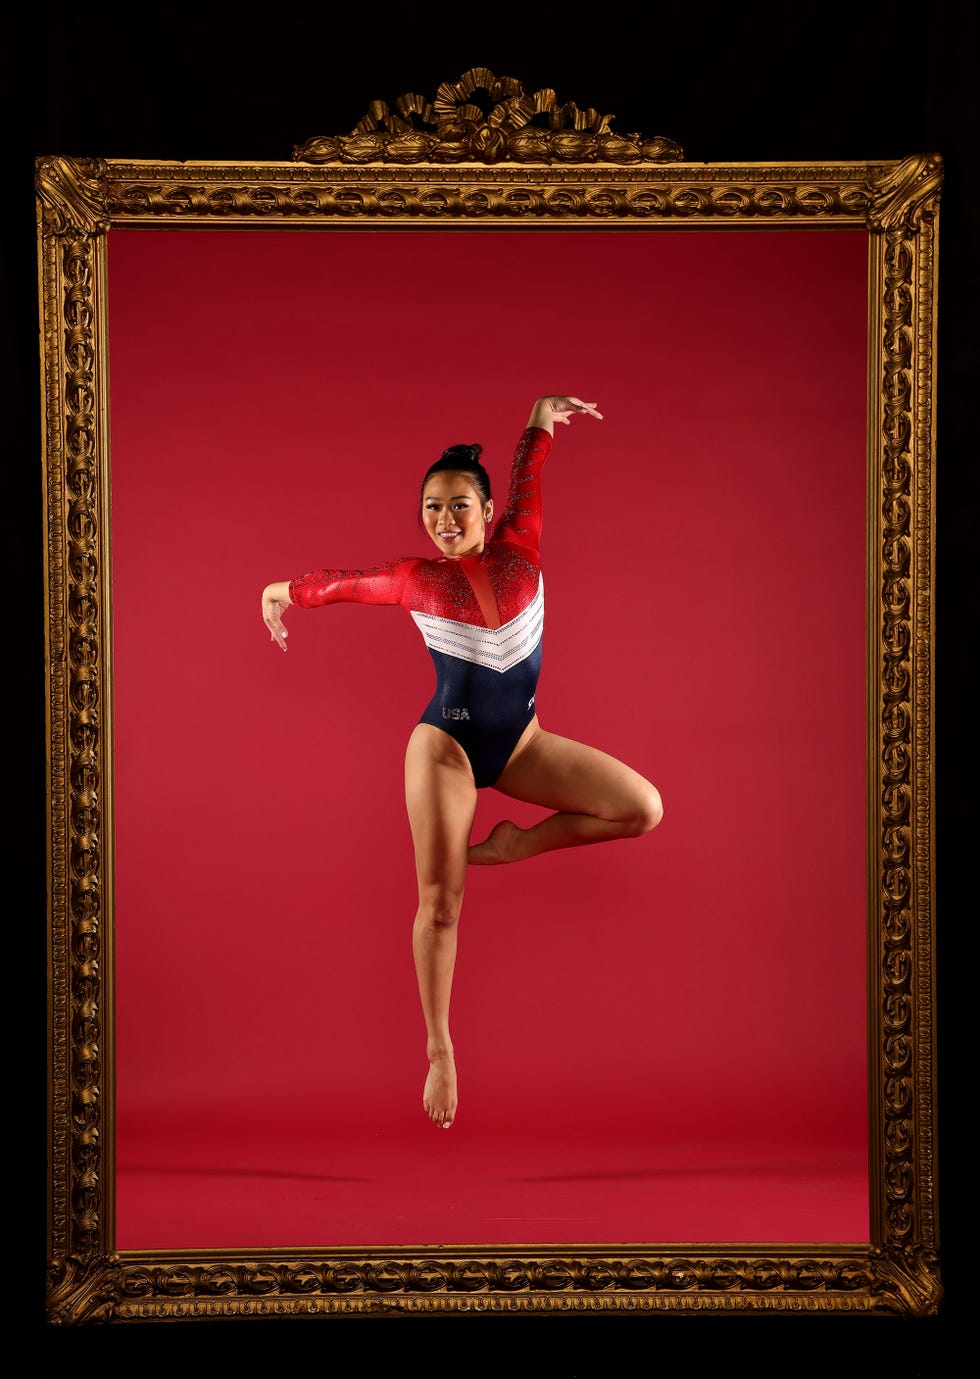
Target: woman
x=480 y=607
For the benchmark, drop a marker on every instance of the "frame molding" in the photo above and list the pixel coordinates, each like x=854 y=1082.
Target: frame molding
x=486 y=154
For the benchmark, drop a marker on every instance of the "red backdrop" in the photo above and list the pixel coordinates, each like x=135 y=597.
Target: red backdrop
x=275 y=400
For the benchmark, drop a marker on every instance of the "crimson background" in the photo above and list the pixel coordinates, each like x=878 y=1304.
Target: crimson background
x=275 y=400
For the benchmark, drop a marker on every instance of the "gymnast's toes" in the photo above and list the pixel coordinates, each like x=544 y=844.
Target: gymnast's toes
x=499 y=846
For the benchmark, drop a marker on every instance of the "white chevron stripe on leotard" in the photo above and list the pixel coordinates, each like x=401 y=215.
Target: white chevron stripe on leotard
x=496 y=648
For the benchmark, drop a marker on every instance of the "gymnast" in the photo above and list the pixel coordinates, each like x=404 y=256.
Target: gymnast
x=479 y=605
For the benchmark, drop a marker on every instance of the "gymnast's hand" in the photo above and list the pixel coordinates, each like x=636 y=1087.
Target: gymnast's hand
x=547 y=410
x=275 y=601
x=565 y=408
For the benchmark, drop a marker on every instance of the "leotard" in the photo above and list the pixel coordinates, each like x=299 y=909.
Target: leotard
x=480 y=616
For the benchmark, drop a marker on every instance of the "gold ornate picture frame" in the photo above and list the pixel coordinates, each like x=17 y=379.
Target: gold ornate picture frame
x=487 y=154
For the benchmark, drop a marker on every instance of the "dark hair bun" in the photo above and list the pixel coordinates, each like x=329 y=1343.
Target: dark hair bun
x=463 y=452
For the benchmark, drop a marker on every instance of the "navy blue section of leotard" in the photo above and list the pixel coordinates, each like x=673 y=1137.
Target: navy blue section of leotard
x=485 y=711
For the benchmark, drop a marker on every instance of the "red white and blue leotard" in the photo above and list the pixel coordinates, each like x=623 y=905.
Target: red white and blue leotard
x=481 y=617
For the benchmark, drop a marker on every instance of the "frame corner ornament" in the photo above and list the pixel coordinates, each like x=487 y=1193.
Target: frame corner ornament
x=71 y=194
x=909 y=1280
x=82 y=1290
x=906 y=195
x=482 y=118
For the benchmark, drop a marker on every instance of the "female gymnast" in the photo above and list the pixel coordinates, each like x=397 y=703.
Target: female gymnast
x=480 y=608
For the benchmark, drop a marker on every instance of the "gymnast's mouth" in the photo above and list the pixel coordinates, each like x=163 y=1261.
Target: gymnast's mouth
x=449 y=535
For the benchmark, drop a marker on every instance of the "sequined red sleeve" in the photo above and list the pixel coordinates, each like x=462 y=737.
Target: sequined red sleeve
x=521 y=520
x=381 y=584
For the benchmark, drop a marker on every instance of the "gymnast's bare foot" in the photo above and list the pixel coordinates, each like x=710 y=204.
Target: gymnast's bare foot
x=439 y=1094
x=500 y=845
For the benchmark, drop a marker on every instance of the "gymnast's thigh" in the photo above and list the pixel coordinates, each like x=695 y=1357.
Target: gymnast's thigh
x=440 y=795
x=559 y=773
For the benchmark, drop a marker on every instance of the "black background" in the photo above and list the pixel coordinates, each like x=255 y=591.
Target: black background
x=739 y=82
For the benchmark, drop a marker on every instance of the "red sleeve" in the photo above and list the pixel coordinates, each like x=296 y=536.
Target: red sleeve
x=382 y=584
x=521 y=521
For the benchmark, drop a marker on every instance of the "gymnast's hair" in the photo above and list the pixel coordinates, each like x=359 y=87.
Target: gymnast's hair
x=461 y=459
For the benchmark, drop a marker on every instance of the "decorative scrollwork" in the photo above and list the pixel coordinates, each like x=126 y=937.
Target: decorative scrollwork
x=641 y=193
x=902 y=212
x=493 y=1283
x=895 y=759
x=85 y=696
x=485 y=119
x=75 y=640
x=107 y=1288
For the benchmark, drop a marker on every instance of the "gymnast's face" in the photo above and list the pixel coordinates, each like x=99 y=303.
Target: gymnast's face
x=455 y=515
